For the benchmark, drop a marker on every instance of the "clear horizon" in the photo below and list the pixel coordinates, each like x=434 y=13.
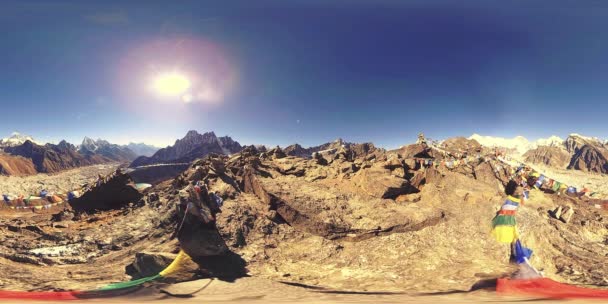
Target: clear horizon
x=77 y=142
x=307 y=72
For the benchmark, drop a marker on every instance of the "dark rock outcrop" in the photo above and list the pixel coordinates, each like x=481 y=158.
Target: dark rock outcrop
x=115 y=193
x=189 y=148
x=591 y=159
x=588 y=154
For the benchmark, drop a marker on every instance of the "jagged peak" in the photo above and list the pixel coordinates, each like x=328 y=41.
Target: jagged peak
x=191 y=133
x=576 y=135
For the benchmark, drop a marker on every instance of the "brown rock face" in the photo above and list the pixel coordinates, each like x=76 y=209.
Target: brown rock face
x=461 y=145
x=415 y=150
x=550 y=156
x=590 y=158
x=588 y=154
x=53 y=158
x=378 y=182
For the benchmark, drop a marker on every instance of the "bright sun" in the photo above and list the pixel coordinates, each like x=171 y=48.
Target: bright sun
x=172 y=84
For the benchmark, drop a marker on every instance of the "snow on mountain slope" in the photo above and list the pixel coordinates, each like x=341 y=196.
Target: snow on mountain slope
x=518 y=143
x=16 y=139
x=552 y=141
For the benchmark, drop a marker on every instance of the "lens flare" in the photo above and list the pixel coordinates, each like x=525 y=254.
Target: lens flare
x=171 y=84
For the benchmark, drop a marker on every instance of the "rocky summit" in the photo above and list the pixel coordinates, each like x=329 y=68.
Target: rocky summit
x=189 y=148
x=368 y=220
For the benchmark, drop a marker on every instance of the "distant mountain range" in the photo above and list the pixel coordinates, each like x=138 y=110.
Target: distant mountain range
x=22 y=155
x=576 y=152
x=16 y=139
x=189 y=148
x=141 y=149
x=297 y=150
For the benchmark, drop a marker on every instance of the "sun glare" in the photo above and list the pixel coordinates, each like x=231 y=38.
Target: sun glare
x=171 y=84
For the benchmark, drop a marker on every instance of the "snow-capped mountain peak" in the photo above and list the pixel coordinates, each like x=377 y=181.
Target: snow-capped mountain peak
x=518 y=143
x=16 y=139
x=552 y=141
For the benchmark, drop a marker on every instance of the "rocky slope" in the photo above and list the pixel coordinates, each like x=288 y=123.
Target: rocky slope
x=16 y=165
x=556 y=157
x=588 y=154
x=462 y=145
x=189 y=148
x=53 y=158
x=378 y=222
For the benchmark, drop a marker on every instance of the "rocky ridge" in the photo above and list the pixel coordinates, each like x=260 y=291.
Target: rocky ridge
x=189 y=148
x=376 y=222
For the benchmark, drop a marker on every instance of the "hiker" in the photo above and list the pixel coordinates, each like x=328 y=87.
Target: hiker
x=99 y=180
x=7 y=200
x=217 y=200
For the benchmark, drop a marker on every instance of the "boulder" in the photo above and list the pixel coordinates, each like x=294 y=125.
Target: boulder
x=432 y=175
x=567 y=214
x=557 y=212
x=394 y=161
x=378 y=182
x=484 y=172
x=415 y=150
x=418 y=179
x=411 y=164
x=277 y=153
x=347 y=167
x=112 y=194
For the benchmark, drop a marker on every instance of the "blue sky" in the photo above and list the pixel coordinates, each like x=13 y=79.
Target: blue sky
x=280 y=72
